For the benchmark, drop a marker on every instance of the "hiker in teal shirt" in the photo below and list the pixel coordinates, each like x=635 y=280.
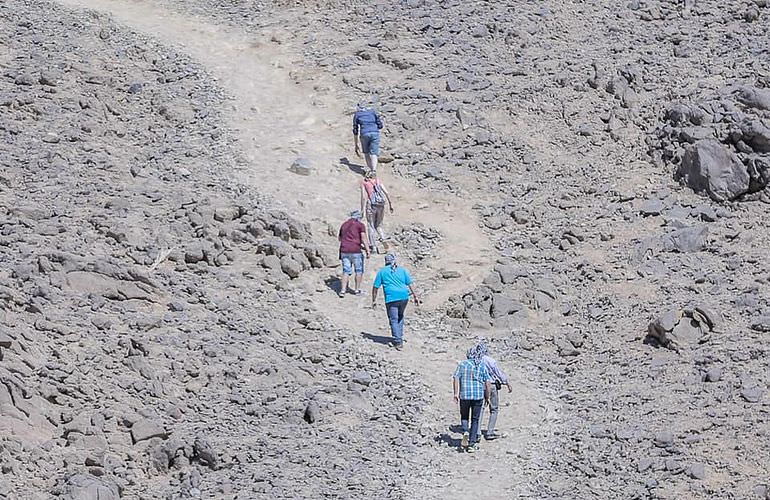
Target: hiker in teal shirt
x=396 y=283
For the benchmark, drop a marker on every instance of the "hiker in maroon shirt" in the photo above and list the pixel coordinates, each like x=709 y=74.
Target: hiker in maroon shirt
x=353 y=245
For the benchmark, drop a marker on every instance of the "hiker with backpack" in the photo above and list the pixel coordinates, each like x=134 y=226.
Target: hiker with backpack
x=472 y=385
x=396 y=283
x=353 y=245
x=366 y=133
x=373 y=198
x=499 y=379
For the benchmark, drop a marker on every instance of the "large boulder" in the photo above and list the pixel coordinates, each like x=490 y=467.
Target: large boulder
x=88 y=487
x=707 y=166
x=754 y=97
x=686 y=239
x=756 y=135
x=678 y=329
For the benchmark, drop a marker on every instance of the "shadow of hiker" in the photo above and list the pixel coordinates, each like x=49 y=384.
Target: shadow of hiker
x=334 y=283
x=449 y=441
x=354 y=167
x=652 y=341
x=377 y=339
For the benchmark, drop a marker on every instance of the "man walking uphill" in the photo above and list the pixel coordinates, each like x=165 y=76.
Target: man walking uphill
x=396 y=283
x=472 y=385
x=353 y=245
x=366 y=131
x=499 y=379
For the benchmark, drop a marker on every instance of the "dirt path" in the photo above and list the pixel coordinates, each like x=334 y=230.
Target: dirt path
x=280 y=112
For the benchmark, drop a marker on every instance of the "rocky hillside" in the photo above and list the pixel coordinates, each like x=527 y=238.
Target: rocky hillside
x=575 y=124
x=154 y=343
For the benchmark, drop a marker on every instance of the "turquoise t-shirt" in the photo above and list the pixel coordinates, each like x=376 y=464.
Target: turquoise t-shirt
x=394 y=283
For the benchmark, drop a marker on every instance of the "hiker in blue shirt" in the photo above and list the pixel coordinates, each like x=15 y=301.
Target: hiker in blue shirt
x=397 y=286
x=366 y=132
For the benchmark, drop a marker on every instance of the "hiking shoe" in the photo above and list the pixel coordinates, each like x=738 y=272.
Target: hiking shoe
x=464 y=440
x=358 y=292
x=341 y=295
x=472 y=448
x=400 y=347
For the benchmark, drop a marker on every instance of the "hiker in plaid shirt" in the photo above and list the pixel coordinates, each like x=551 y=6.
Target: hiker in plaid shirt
x=472 y=385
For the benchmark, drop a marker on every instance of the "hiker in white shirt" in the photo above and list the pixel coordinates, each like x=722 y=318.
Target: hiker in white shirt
x=499 y=379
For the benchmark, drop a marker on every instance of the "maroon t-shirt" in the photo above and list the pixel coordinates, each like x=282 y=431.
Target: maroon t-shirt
x=350 y=236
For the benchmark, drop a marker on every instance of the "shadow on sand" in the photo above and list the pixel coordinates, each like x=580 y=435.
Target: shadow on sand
x=333 y=283
x=449 y=440
x=354 y=167
x=377 y=339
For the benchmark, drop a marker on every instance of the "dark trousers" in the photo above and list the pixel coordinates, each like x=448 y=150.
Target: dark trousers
x=472 y=408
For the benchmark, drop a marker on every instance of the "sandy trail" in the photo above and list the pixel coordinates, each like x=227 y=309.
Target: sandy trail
x=280 y=112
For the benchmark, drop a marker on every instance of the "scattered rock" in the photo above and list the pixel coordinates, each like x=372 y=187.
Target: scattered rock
x=709 y=167
x=714 y=374
x=361 y=378
x=147 y=429
x=311 y=412
x=651 y=207
x=204 y=453
x=697 y=471
x=679 y=329
x=752 y=394
x=686 y=240
x=88 y=487
x=664 y=439
x=301 y=166
x=449 y=274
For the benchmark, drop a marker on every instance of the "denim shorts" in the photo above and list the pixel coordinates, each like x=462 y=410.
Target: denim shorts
x=352 y=261
x=371 y=144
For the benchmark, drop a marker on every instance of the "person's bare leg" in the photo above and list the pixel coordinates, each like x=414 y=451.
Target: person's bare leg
x=379 y=218
x=373 y=161
x=344 y=284
x=368 y=159
x=371 y=228
x=359 y=279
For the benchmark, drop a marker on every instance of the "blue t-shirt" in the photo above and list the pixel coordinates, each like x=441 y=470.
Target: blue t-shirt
x=394 y=283
x=367 y=121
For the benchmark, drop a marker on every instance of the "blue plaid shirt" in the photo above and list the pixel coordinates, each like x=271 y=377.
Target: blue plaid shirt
x=472 y=377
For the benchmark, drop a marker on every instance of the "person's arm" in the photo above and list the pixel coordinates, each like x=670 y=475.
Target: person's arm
x=486 y=376
x=378 y=121
x=363 y=198
x=408 y=282
x=387 y=196
x=355 y=135
x=365 y=239
x=456 y=389
x=502 y=377
x=416 y=300
x=375 y=288
x=496 y=372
